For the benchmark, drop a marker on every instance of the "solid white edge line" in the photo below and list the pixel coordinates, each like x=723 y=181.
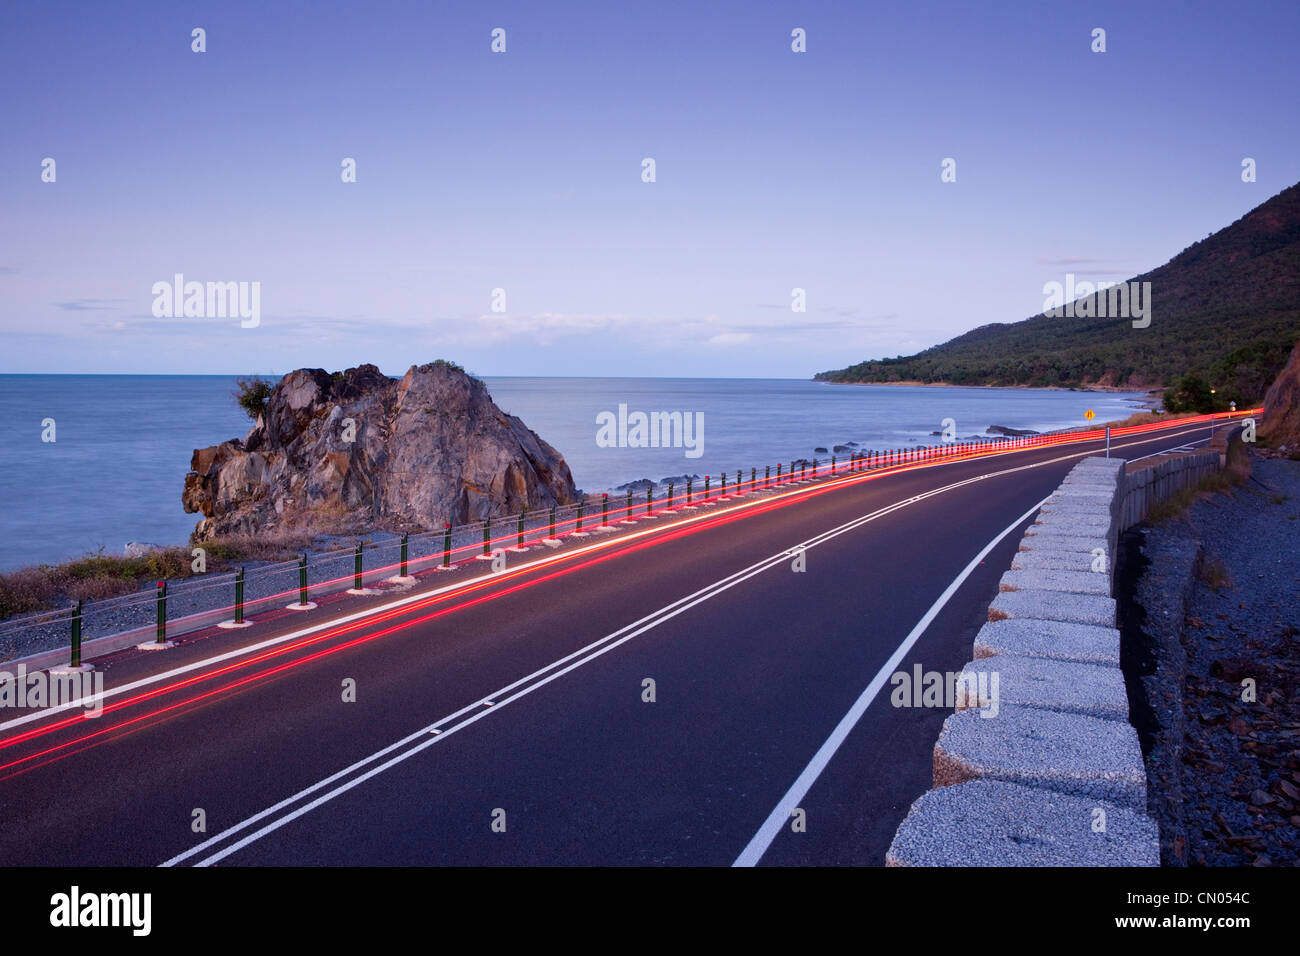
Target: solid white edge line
x=1188 y=446
x=644 y=624
x=715 y=587
x=780 y=815
x=529 y=566
x=357 y=781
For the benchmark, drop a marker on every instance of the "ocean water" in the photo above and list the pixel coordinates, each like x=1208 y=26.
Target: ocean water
x=123 y=443
x=750 y=422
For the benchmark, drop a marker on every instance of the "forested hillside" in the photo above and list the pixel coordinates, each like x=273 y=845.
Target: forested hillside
x=1225 y=310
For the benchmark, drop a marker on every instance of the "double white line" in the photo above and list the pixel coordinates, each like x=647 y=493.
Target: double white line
x=344 y=780
x=308 y=799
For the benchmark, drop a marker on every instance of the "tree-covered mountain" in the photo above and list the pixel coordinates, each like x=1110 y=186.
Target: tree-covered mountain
x=1225 y=310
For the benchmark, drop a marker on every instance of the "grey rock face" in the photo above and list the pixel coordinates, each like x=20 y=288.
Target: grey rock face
x=357 y=449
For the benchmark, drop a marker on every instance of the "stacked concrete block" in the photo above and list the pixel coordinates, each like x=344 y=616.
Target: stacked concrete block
x=1044 y=746
x=994 y=823
x=1042 y=605
x=1042 y=767
x=1069 y=560
x=1082 y=513
x=1050 y=640
x=1056 y=579
x=1068 y=686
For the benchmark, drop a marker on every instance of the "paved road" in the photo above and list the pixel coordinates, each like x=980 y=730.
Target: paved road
x=547 y=751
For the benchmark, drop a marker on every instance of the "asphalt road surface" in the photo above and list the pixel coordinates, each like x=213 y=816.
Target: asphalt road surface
x=505 y=718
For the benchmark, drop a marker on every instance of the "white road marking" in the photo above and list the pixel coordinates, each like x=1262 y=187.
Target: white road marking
x=592 y=650
x=436 y=732
x=523 y=568
x=1190 y=446
x=780 y=815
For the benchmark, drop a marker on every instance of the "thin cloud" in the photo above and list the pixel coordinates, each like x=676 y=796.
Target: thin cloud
x=730 y=338
x=88 y=305
x=1071 y=262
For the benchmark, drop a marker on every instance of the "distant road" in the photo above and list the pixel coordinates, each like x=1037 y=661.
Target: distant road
x=754 y=667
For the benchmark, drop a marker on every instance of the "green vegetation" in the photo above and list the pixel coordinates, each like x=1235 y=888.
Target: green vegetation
x=252 y=394
x=1137 y=418
x=232 y=549
x=97 y=576
x=1193 y=394
x=1224 y=311
x=458 y=368
x=92 y=578
x=1171 y=507
x=1232 y=475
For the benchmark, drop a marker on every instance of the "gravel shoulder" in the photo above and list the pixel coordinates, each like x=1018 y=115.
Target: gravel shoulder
x=1211 y=616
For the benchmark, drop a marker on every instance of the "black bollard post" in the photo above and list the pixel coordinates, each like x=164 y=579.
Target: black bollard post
x=76 y=634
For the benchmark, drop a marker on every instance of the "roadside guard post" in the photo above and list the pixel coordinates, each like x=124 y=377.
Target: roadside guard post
x=76 y=635
x=162 y=612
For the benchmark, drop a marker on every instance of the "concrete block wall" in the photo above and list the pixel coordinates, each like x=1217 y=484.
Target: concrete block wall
x=1145 y=487
x=1046 y=770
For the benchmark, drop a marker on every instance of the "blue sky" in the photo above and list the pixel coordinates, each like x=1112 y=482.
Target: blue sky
x=522 y=171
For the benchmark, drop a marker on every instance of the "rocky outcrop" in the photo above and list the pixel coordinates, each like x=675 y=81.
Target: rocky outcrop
x=348 y=451
x=1280 y=423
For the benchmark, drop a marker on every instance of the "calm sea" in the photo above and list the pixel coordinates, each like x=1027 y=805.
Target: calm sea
x=115 y=471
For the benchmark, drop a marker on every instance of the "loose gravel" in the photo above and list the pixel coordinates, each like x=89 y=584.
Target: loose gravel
x=1217 y=611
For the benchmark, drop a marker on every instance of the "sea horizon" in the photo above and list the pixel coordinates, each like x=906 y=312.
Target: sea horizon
x=123 y=443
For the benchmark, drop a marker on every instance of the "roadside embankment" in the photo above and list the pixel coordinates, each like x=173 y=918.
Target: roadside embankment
x=1213 y=616
x=1049 y=773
